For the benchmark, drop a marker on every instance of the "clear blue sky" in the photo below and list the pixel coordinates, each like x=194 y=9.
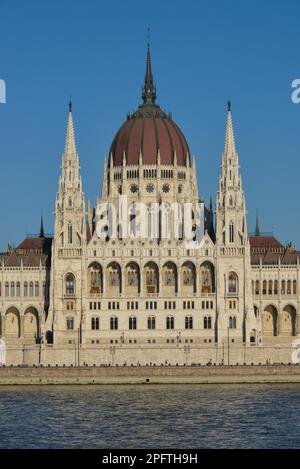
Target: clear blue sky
x=202 y=53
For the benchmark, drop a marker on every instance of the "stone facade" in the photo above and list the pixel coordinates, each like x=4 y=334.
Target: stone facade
x=147 y=294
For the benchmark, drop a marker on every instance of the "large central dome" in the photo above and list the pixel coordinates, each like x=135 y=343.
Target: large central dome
x=149 y=132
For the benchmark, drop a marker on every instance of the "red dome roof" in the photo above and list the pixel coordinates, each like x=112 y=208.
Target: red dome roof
x=148 y=131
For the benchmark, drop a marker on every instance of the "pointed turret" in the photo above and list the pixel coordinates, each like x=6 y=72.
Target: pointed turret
x=70 y=147
x=42 y=233
x=149 y=91
x=229 y=149
x=257 y=230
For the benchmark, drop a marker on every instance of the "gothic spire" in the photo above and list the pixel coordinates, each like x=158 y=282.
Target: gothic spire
x=42 y=234
x=70 y=146
x=149 y=91
x=229 y=148
x=257 y=230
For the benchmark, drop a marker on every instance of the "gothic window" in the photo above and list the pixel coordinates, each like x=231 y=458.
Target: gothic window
x=70 y=201
x=95 y=324
x=6 y=289
x=18 y=289
x=70 y=233
x=37 y=289
x=170 y=322
x=25 y=289
x=231 y=232
x=70 y=285
x=188 y=323
x=294 y=287
x=114 y=276
x=151 y=322
x=264 y=288
x=207 y=322
x=95 y=274
x=270 y=289
x=288 y=287
x=256 y=287
x=114 y=323
x=31 y=289
x=132 y=323
x=232 y=322
x=70 y=323
x=207 y=277
x=276 y=287
x=283 y=287
x=232 y=283
x=12 y=289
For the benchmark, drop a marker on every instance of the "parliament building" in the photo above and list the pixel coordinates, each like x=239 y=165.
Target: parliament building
x=136 y=297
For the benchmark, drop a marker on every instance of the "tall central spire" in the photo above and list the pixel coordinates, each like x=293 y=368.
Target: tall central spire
x=229 y=138
x=149 y=91
x=70 y=147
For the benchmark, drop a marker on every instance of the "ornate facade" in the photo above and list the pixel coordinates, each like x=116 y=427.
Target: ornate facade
x=135 y=296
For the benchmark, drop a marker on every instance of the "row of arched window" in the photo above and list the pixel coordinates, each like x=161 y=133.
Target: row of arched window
x=15 y=289
x=169 y=278
x=151 y=322
x=271 y=287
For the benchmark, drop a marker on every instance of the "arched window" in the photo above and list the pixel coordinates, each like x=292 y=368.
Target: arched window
x=95 y=323
x=70 y=201
x=264 y=288
x=70 y=323
x=6 y=289
x=70 y=233
x=31 y=289
x=256 y=287
x=207 y=322
x=114 y=323
x=270 y=289
x=231 y=232
x=70 y=285
x=207 y=277
x=283 y=287
x=232 y=322
x=151 y=322
x=25 y=289
x=188 y=323
x=230 y=201
x=170 y=322
x=232 y=283
x=275 y=287
x=12 y=289
x=294 y=287
x=37 y=289
x=288 y=287
x=132 y=323
x=18 y=289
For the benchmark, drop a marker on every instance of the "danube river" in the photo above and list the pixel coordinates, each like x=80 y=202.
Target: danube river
x=150 y=416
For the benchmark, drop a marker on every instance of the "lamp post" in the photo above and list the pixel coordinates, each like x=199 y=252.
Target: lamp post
x=228 y=345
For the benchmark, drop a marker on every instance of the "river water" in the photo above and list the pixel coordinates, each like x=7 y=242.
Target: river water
x=150 y=416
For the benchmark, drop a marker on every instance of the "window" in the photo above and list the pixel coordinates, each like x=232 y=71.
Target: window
x=151 y=322
x=95 y=324
x=170 y=322
x=132 y=323
x=232 y=322
x=70 y=233
x=231 y=232
x=232 y=283
x=12 y=289
x=188 y=322
x=264 y=288
x=70 y=284
x=114 y=323
x=70 y=323
x=6 y=289
x=257 y=287
x=31 y=289
x=18 y=290
x=294 y=287
x=37 y=289
x=207 y=322
x=283 y=287
x=25 y=289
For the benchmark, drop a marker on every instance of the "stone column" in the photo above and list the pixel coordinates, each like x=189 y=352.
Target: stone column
x=280 y=323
